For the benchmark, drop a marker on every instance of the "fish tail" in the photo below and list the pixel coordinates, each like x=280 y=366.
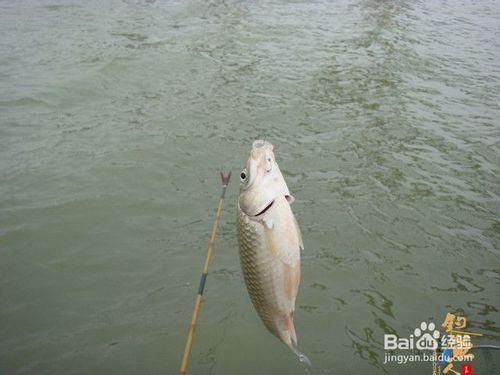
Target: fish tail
x=289 y=338
x=302 y=357
x=293 y=345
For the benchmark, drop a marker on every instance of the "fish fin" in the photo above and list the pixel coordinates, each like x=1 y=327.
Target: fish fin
x=301 y=243
x=283 y=240
x=293 y=335
x=302 y=357
x=269 y=222
x=290 y=339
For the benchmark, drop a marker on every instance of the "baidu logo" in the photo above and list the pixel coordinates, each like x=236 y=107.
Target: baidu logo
x=424 y=337
x=427 y=336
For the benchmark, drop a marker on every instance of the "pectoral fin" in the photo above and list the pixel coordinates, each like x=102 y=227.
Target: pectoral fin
x=301 y=243
x=268 y=222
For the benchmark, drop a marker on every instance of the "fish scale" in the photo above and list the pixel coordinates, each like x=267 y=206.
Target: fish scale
x=256 y=269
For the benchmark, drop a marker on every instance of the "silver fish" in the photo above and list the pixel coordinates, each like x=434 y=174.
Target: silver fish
x=270 y=243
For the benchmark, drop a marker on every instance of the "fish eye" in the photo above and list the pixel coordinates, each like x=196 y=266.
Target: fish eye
x=243 y=175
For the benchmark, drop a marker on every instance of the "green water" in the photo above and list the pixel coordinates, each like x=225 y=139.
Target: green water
x=115 y=119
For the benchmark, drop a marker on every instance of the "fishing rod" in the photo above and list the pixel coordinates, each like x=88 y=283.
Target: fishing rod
x=196 y=311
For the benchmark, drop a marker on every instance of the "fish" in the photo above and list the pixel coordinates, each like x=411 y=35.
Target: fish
x=270 y=243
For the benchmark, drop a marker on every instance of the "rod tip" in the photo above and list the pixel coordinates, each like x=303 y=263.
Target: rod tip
x=225 y=178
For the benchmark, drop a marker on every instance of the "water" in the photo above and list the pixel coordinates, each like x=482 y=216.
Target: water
x=116 y=118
